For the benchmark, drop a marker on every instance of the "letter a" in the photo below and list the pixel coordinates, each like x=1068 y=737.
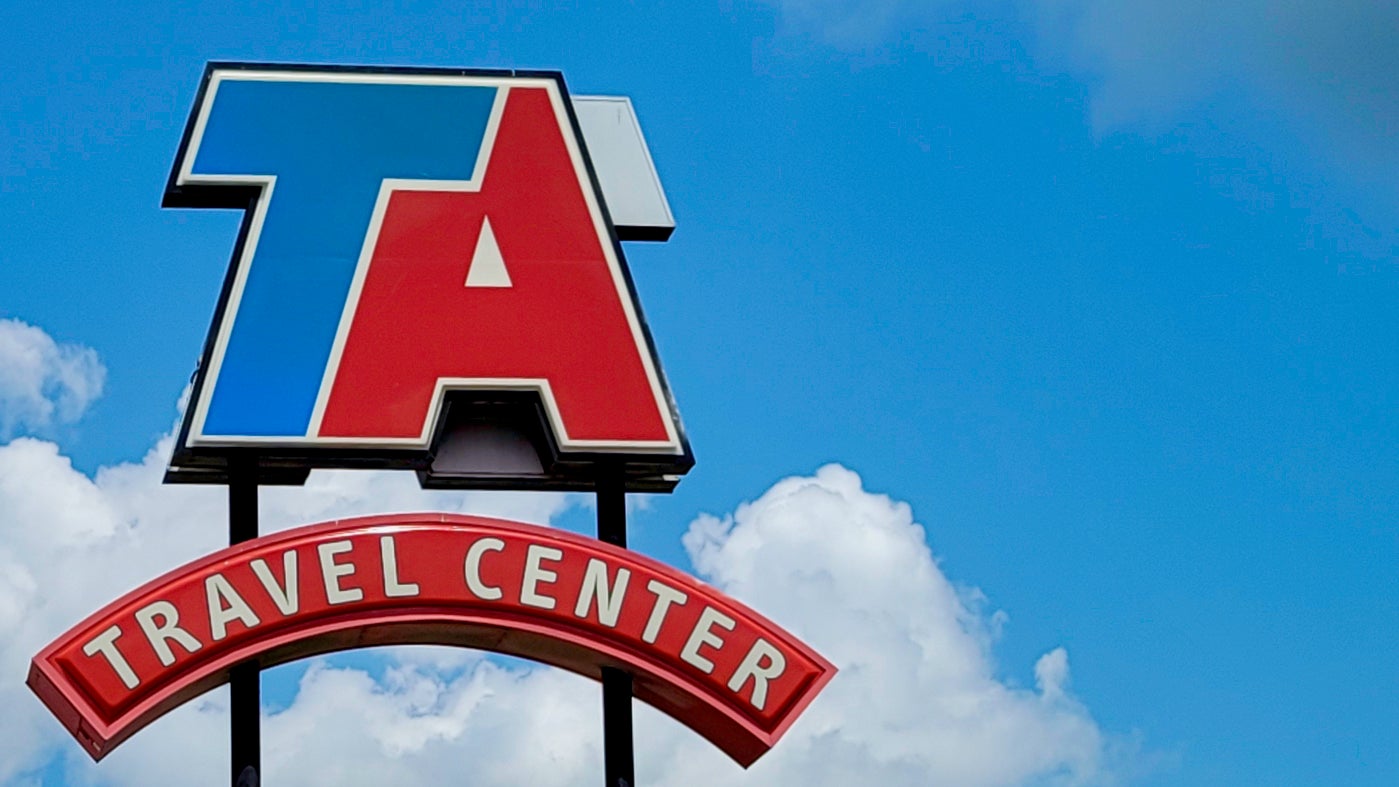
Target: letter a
x=560 y=321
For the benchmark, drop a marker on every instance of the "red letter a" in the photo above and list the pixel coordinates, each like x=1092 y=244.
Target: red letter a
x=558 y=318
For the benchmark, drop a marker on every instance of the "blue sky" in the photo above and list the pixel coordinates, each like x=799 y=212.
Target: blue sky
x=1103 y=291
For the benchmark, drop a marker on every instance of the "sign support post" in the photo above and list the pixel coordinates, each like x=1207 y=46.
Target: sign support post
x=617 y=754
x=245 y=680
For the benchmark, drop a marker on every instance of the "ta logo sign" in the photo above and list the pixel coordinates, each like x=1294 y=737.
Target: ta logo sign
x=427 y=277
x=415 y=241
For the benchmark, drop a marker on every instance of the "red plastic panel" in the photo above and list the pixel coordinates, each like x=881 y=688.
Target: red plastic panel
x=712 y=663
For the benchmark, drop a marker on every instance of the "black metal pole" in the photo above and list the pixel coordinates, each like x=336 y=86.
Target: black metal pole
x=617 y=754
x=245 y=681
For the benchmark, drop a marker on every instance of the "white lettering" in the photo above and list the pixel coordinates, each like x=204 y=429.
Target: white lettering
x=331 y=572
x=752 y=666
x=225 y=605
x=473 y=568
x=609 y=599
x=392 y=587
x=529 y=596
x=665 y=596
x=106 y=644
x=704 y=635
x=286 y=597
x=168 y=629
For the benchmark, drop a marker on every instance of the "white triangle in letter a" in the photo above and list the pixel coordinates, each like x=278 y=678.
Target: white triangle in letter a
x=487 y=266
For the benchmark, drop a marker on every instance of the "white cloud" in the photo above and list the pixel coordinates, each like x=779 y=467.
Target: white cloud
x=70 y=543
x=916 y=702
x=43 y=382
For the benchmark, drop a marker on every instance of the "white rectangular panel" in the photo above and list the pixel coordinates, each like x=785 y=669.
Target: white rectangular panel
x=624 y=168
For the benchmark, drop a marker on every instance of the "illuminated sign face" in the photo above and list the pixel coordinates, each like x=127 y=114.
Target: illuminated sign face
x=574 y=602
x=411 y=236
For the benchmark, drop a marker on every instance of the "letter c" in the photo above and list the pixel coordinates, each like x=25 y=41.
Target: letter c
x=473 y=568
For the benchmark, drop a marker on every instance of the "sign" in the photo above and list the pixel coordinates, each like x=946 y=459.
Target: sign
x=574 y=602
x=415 y=241
x=428 y=277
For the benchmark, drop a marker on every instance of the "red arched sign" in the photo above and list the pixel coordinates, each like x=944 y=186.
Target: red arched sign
x=712 y=663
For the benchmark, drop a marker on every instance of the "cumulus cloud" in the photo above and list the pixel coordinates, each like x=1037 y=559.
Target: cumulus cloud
x=70 y=543
x=43 y=382
x=917 y=701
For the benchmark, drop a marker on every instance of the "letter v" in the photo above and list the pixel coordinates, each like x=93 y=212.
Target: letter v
x=284 y=596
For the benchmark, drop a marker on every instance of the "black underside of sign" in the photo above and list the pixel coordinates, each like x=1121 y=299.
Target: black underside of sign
x=482 y=441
